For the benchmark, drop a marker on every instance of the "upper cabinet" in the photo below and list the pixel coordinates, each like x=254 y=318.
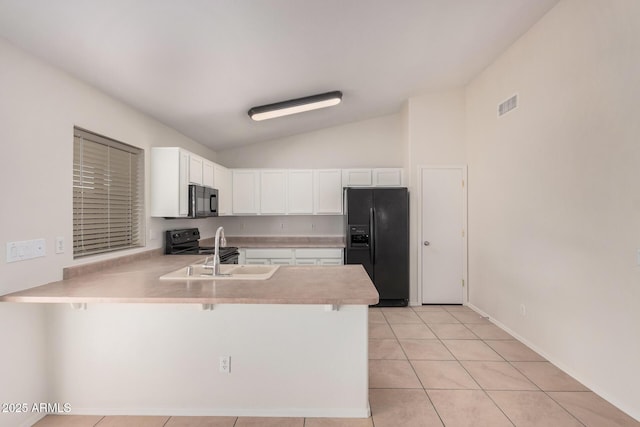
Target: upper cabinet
x=169 y=182
x=356 y=178
x=378 y=177
x=328 y=192
x=273 y=192
x=255 y=191
x=301 y=192
x=207 y=174
x=201 y=171
x=222 y=181
x=246 y=191
x=195 y=169
x=388 y=177
x=173 y=169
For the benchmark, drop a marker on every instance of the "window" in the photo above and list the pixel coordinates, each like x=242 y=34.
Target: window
x=108 y=194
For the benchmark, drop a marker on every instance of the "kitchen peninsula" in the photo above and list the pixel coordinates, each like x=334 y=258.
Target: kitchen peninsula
x=122 y=341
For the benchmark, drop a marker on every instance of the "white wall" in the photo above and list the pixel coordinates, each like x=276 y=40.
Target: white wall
x=554 y=205
x=435 y=135
x=368 y=143
x=39 y=107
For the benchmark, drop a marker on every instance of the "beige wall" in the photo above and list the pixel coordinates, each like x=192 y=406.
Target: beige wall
x=435 y=135
x=554 y=206
x=39 y=107
x=369 y=143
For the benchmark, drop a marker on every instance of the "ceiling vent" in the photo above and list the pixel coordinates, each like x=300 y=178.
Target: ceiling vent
x=507 y=105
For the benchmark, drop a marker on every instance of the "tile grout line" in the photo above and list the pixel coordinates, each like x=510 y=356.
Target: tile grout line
x=545 y=391
x=473 y=378
x=411 y=364
x=521 y=373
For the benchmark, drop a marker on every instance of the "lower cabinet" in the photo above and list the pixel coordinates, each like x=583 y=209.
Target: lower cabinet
x=291 y=256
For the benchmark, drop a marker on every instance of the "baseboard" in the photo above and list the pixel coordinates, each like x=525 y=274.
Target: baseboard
x=632 y=412
x=231 y=412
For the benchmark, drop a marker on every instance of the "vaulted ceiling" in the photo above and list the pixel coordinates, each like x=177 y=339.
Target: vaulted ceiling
x=199 y=65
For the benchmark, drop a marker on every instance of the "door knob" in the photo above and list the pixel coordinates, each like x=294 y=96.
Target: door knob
x=426 y=243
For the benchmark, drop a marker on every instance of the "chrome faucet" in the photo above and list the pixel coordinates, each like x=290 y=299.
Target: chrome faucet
x=215 y=263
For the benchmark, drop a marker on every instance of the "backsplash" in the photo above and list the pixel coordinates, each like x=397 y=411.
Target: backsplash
x=307 y=225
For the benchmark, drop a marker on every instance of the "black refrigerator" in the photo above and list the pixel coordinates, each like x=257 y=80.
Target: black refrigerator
x=377 y=236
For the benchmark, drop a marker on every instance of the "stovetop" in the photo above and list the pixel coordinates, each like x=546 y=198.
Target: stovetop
x=186 y=242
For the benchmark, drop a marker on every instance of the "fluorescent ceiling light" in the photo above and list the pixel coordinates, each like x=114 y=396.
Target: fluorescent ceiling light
x=294 y=106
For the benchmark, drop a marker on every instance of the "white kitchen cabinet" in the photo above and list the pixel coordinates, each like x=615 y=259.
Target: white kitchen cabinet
x=256 y=261
x=387 y=177
x=281 y=256
x=195 y=169
x=273 y=192
x=318 y=256
x=291 y=256
x=208 y=178
x=327 y=192
x=169 y=182
x=304 y=261
x=246 y=191
x=356 y=178
x=300 y=192
x=281 y=261
x=222 y=182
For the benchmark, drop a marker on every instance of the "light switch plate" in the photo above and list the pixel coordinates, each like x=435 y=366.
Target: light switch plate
x=26 y=249
x=59 y=245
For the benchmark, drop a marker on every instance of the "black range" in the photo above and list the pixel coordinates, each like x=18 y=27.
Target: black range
x=186 y=241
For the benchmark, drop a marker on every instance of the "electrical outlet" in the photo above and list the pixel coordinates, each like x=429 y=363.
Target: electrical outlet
x=225 y=364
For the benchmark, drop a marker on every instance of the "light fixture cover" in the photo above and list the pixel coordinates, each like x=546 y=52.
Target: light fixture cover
x=294 y=106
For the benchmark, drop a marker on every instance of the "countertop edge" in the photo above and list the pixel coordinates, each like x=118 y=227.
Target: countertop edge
x=214 y=301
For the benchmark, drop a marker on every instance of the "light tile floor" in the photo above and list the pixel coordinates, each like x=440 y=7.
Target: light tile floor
x=434 y=366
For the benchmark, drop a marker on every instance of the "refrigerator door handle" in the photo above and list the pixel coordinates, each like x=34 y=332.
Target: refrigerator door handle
x=372 y=227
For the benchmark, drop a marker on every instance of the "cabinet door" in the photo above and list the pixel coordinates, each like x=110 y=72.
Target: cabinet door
x=207 y=174
x=281 y=261
x=328 y=192
x=195 y=169
x=254 y=261
x=169 y=182
x=300 y=200
x=222 y=182
x=246 y=191
x=356 y=177
x=306 y=261
x=387 y=177
x=273 y=192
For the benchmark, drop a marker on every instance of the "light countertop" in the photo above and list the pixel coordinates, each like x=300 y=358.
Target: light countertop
x=138 y=282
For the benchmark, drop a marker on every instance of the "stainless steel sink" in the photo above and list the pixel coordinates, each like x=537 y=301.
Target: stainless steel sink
x=227 y=272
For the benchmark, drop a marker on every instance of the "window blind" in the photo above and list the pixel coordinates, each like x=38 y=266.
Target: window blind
x=108 y=194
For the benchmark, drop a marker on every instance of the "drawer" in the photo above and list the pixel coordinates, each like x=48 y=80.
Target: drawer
x=318 y=253
x=268 y=253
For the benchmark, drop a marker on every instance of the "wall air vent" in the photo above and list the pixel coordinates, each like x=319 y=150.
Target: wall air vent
x=507 y=105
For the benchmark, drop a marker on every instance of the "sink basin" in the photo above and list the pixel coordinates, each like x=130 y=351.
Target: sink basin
x=228 y=271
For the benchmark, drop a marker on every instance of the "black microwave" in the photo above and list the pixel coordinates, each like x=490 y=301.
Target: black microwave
x=203 y=201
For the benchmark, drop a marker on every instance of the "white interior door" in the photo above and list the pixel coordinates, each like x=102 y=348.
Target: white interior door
x=443 y=235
